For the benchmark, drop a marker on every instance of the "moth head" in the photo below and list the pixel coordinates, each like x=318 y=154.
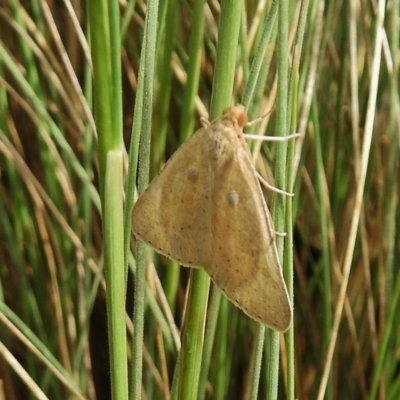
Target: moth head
x=237 y=114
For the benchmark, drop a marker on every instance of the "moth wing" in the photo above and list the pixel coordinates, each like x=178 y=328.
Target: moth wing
x=245 y=263
x=173 y=215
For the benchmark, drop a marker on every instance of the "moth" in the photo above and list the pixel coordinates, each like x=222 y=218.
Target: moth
x=205 y=209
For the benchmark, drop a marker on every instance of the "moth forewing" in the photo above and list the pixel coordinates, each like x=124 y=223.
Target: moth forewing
x=245 y=263
x=175 y=206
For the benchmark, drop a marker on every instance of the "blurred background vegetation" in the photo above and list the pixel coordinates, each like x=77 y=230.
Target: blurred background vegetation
x=53 y=320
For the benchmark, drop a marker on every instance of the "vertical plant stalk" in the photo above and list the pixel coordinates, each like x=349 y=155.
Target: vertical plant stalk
x=224 y=73
x=312 y=78
x=100 y=49
x=213 y=312
x=280 y=178
x=193 y=335
x=148 y=52
x=105 y=47
x=259 y=55
x=193 y=74
x=193 y=331
x=167 y=41
x=288 y=261
x=114 y=262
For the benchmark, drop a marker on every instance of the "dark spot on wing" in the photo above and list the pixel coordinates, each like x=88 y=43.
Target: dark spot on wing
x=232 y=197
x=192 y=173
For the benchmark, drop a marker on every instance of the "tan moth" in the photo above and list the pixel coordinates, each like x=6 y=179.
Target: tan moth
x=206 y=209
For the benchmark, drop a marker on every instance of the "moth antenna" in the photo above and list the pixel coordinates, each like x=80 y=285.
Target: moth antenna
x=273 y=188
x=272 y=138
x=259 y=119
x=204 y=121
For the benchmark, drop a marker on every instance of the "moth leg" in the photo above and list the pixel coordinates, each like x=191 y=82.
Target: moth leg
x=273 y=188
x=259 y=119
x=272 y=138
